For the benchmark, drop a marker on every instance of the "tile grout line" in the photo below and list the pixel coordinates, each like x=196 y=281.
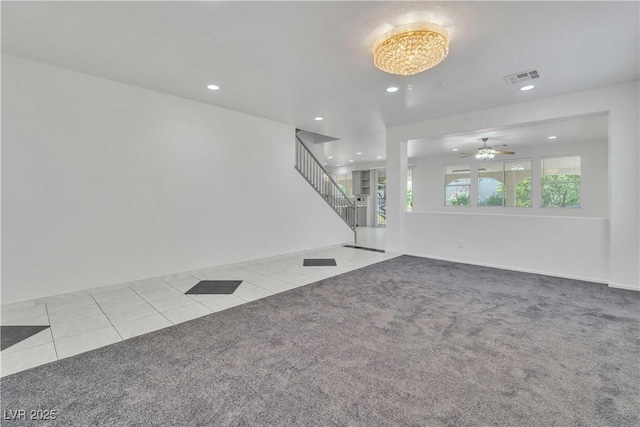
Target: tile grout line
x=140 y=295
x=152 y=306
x=53 y=338
x=105 y=315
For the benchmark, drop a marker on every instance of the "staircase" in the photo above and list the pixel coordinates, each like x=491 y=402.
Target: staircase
x=316 y=175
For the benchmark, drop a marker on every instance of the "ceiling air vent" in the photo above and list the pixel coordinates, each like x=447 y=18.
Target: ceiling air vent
x=524 y=76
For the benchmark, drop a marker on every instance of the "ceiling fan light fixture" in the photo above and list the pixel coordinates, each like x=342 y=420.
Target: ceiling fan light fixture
x=485 y=154
x=411 y=49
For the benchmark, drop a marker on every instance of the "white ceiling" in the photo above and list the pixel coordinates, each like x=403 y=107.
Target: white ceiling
x=579 y=129
x=293 y=61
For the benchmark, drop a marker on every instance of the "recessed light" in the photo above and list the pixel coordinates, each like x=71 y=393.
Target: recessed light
x=358 y=154
x=379 y=157
x=338 y=165
x=392 y=89
x=325 y=163
x=351 y=160
x=330 y=157
x=213 y=87
x=552 y=137
x=454 y=149
x=528 y=87
x=318 y=119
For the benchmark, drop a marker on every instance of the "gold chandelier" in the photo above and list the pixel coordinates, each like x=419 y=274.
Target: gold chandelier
x=411 y=49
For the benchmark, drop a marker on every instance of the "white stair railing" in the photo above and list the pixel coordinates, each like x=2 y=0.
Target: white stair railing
x=316 y=175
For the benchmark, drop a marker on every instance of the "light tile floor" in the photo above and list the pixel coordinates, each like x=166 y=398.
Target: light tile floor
x=86 y=320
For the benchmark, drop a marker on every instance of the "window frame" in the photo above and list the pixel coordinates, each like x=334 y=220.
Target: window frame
x=504 y=183
x=505 y=171
x=478 y=177
x=542 y=183
x=446 y=185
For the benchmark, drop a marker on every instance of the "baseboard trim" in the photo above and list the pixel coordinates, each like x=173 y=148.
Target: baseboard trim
x=522 y=270
x=627 y=287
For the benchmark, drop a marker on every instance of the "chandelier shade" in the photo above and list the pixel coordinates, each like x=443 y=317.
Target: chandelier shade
x=411 y=49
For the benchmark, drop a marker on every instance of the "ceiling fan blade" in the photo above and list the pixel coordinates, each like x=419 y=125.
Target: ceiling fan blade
x=504 y=152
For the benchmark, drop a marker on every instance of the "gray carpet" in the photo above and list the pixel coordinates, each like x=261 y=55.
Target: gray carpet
x=409 y=341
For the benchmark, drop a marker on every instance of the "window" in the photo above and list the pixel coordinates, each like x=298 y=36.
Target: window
x=344 y=181
x=457 y=182
x=381 y=209
x=517 y=177
x=505 y=184
x=561 y=182
x=491 y=184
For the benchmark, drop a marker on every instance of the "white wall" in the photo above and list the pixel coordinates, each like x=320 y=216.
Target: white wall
x=562 y=242
x=104 y=183
x=621 y=101
x=356 y=167
x=428 y=181
x=560 y=246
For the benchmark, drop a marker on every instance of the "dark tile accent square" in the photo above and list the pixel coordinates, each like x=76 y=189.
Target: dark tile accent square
x=14 y=334
x=319 y=262
x=208 y=287
x=364 y=249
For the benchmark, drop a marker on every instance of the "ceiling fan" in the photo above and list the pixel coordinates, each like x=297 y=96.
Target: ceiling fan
x=487 y=153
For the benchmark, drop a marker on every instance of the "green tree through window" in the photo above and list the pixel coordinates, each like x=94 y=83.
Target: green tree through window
x=561 y=181
x=460 y=197
x=561 y=191
x=495 y=199
x=523 y=195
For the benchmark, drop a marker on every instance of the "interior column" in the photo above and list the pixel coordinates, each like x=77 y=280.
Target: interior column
x=396 y=193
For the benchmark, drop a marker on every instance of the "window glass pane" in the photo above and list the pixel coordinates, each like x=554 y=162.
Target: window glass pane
x=457 y=181
x=517 y=183
x=558 y=166
x=490 y=184
x=340 y=182
x=345 y=182
x=381 y=216
x=561 y=182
